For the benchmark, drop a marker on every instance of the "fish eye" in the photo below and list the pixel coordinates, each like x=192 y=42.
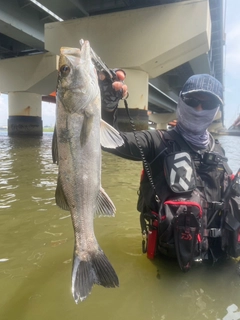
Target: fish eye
x=64 y=70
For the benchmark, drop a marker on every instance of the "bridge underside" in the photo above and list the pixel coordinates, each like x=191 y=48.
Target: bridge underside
x=24 y=37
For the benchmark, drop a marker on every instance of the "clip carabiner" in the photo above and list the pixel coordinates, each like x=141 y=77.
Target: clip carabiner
x=144 y=241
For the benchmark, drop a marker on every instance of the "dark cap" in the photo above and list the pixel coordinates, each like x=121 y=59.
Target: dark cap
x=204 y=83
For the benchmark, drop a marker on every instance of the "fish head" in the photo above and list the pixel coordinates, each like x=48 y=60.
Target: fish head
x=77 y=78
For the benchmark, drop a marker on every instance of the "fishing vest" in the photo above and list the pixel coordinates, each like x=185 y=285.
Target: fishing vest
x=187 y=220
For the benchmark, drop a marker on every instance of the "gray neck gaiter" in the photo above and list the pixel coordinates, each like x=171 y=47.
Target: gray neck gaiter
x=192 y=124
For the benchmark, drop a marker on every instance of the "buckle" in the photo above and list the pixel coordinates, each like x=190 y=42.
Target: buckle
x=215 y=205
x=214 y=233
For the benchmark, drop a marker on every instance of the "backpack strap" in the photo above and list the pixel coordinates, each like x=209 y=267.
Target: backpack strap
x=224 y=160
x=162 y=134
x=173 y=136
x=176 y=137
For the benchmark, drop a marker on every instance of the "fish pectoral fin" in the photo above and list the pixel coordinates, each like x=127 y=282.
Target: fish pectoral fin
x=105 y=206
x=61 y=200
x=109 y=137
x=54 y=146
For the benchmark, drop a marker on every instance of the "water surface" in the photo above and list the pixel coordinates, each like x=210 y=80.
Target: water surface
x=37 y=243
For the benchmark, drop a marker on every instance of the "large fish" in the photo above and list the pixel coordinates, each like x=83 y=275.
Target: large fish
x=79 y=134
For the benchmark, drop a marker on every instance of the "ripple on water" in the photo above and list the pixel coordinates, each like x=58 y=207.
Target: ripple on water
x=7 y=199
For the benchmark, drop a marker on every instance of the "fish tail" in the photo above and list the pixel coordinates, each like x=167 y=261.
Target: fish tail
x=96 y=269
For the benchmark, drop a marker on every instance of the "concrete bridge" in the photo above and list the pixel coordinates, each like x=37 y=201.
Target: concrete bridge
x=159 y=43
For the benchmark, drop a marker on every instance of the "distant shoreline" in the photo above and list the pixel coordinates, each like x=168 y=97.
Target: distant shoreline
x=48 y=129
x=45 y=129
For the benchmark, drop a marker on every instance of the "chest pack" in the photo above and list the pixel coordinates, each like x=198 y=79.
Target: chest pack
x=190 y=222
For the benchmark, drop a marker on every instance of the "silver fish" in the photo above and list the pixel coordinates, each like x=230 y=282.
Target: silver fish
x=78 y=136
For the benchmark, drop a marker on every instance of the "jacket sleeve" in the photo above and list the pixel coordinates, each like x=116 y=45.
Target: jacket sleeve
x=150 y=142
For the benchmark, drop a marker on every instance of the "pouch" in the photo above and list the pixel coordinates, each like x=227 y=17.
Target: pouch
x=180 y=172
x=185 y=229
x=231 y=230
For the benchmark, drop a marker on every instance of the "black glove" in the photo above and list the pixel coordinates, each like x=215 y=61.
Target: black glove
x=109 y=99
x=109 y=96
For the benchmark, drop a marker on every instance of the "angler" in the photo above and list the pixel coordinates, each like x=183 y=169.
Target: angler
x=186 y=209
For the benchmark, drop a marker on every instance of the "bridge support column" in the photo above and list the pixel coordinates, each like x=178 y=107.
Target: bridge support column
x=162 y=119
x=137 y=82
x=24 y=111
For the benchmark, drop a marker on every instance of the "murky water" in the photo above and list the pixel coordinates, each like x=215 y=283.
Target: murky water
x=36 y=244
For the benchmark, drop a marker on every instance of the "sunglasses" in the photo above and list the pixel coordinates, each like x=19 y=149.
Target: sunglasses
x=206 y=104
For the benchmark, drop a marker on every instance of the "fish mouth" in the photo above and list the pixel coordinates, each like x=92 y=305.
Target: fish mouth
x=84 y=43
x=82 y=54
x=67 y=51
x=83 y=51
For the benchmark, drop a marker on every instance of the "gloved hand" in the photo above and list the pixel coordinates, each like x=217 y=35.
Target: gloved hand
x=111 y=93
x=172 y=123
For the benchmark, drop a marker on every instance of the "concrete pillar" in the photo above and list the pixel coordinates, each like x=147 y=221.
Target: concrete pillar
x=25 y=80
x=150 y=40
x=24 y=111
x=154 y=39
x=137 y=82
x=162 y=119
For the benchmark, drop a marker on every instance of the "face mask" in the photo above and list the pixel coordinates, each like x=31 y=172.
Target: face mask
x=192 y=124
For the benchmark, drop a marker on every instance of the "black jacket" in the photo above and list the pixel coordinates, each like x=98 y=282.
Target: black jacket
x=155 y=146
x=150 y=141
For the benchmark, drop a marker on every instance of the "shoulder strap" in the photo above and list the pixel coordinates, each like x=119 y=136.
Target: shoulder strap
x=173 y=136
x=162 y=134
x=218 y=148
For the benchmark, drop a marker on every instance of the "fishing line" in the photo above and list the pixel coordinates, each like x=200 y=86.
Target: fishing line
x=145 y=163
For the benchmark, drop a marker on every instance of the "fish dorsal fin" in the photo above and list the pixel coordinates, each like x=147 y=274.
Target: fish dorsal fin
x=61 y=200
x=109 y=137
x=105 y=206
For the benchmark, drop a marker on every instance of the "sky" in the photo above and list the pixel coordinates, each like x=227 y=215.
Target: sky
x=231 y=73
x=232 y=62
